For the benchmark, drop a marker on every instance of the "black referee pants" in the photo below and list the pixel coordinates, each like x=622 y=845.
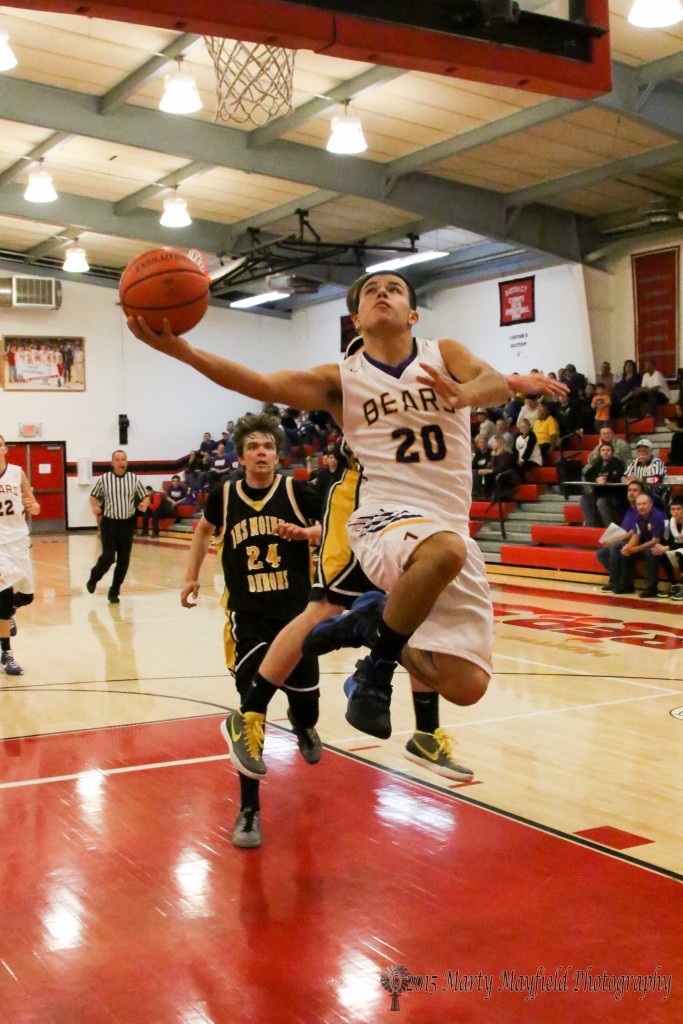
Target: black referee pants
x=117 y=541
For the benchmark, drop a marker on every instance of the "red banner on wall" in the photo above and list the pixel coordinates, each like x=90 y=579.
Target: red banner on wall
x=655 y=294
x=517 y=301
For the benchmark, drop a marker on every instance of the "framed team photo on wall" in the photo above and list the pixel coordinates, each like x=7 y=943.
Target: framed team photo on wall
x=43 y=363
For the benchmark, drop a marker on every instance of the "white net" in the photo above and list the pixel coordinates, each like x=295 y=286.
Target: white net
x=254 y=81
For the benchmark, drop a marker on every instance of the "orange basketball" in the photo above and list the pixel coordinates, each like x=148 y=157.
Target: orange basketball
x=165 y=284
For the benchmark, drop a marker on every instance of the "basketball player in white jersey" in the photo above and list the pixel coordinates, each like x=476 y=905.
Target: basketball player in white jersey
x=16 y=571
x=403 y=403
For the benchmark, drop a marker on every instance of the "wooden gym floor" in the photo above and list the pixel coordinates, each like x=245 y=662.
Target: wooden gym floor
x=546 y=889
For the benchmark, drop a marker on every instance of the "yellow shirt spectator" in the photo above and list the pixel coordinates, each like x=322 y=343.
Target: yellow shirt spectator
x=546 y=430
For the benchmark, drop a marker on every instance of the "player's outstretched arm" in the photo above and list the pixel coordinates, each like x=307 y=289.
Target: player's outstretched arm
x=536 y=384
x=471 y=382
x=319 y=388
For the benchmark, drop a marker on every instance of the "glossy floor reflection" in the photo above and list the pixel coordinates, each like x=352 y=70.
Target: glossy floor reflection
x=124 y=900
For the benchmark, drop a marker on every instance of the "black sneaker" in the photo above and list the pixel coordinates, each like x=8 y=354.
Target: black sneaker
x=609 y=588
x=369 y=697
x=308 y=741
x=650 y=592
x=90 y=585
x=355 y=628
x=113 y=597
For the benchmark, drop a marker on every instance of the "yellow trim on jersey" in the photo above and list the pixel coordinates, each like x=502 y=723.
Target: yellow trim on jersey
x=289 y=484
x=229 y=639
x=405 y=522
x=335 y=554
x=257 y=505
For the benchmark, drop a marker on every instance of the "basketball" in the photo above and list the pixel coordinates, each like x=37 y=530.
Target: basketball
x=165 y=284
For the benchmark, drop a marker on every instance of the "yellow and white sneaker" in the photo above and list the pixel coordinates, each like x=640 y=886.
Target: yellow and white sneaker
x=245 y=736
x=434 y=751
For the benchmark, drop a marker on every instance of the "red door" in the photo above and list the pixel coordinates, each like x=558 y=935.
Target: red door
x=44 y=467
x=47 y=476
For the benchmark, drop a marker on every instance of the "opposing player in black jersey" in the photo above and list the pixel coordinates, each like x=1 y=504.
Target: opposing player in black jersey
x=267 y=580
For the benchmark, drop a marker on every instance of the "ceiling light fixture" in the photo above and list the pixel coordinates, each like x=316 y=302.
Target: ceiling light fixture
x=75 y=260
x=347 y=134
x=175 y=213
x=7 y=58
x=656 y=13
x=258 y=300
x=40 y=188
x=407 y=261
x=180 y=93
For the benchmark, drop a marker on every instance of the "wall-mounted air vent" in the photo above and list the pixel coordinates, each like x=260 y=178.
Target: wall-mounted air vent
x=30 y=292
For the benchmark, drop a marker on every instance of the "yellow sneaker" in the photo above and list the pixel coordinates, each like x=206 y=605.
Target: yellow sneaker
x=434 y=751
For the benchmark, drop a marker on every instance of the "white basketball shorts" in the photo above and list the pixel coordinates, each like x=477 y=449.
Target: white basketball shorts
x=15 y=567
x=461 y=621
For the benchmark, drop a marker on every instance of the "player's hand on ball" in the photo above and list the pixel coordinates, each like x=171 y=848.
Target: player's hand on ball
x=444 y=386
x=191 y=590
x=166 y=342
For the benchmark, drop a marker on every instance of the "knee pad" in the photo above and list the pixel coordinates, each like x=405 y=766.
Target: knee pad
x=6 y=604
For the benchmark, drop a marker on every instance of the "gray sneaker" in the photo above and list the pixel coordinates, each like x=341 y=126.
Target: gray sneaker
x=308 y=741
x=247 y=830
x=245 y=737
x=9 y=665
x=434 y=751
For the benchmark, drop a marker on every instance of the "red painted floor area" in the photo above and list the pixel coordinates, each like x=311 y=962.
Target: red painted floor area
x=123 y=899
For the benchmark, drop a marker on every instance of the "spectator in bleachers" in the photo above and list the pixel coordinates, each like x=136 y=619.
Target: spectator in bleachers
x=230 y=451
x=607 y=378
x=547 y=432
x=504 y=469
x=627 y=390
x=569 y=416
x=289 y=425
x=160 y=507
x=485 y=428
x=603 y=505
x=514 y=405
x=193 y=472
x=482 y=482
x=670 y=551
x=622 y=450
x=576 y=382
x=222 y=463
x=609 y=554
x=529 y=410
x=208 y=444
x=526 y=447
x=675 y=425
x=503 y=433
x=179 y=494
x=647 y=468
x=330 y=472
x=646 y=534
x=654 y=389
x=600 y=404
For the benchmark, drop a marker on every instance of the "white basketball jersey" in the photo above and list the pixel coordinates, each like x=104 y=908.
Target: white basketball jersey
x=13 y=525
x=413 y=446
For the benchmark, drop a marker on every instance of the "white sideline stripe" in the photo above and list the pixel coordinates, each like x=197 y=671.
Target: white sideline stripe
x=113 y=771
x=457 y=726
x=571 y=672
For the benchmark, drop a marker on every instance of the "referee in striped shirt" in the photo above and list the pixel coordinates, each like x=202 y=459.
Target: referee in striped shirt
x=114 y=500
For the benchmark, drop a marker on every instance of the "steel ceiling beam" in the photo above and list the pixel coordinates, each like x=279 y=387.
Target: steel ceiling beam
x=133 y=82
x=170 y=181
x=475 y=209
x=85 y=214
x=346 y=91
x=34 y=156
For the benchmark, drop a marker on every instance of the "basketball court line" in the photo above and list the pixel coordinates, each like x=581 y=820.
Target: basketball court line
x=407 y=779
x=571 y=673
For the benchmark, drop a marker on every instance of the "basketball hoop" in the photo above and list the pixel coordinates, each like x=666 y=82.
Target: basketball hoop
x=254 y=82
